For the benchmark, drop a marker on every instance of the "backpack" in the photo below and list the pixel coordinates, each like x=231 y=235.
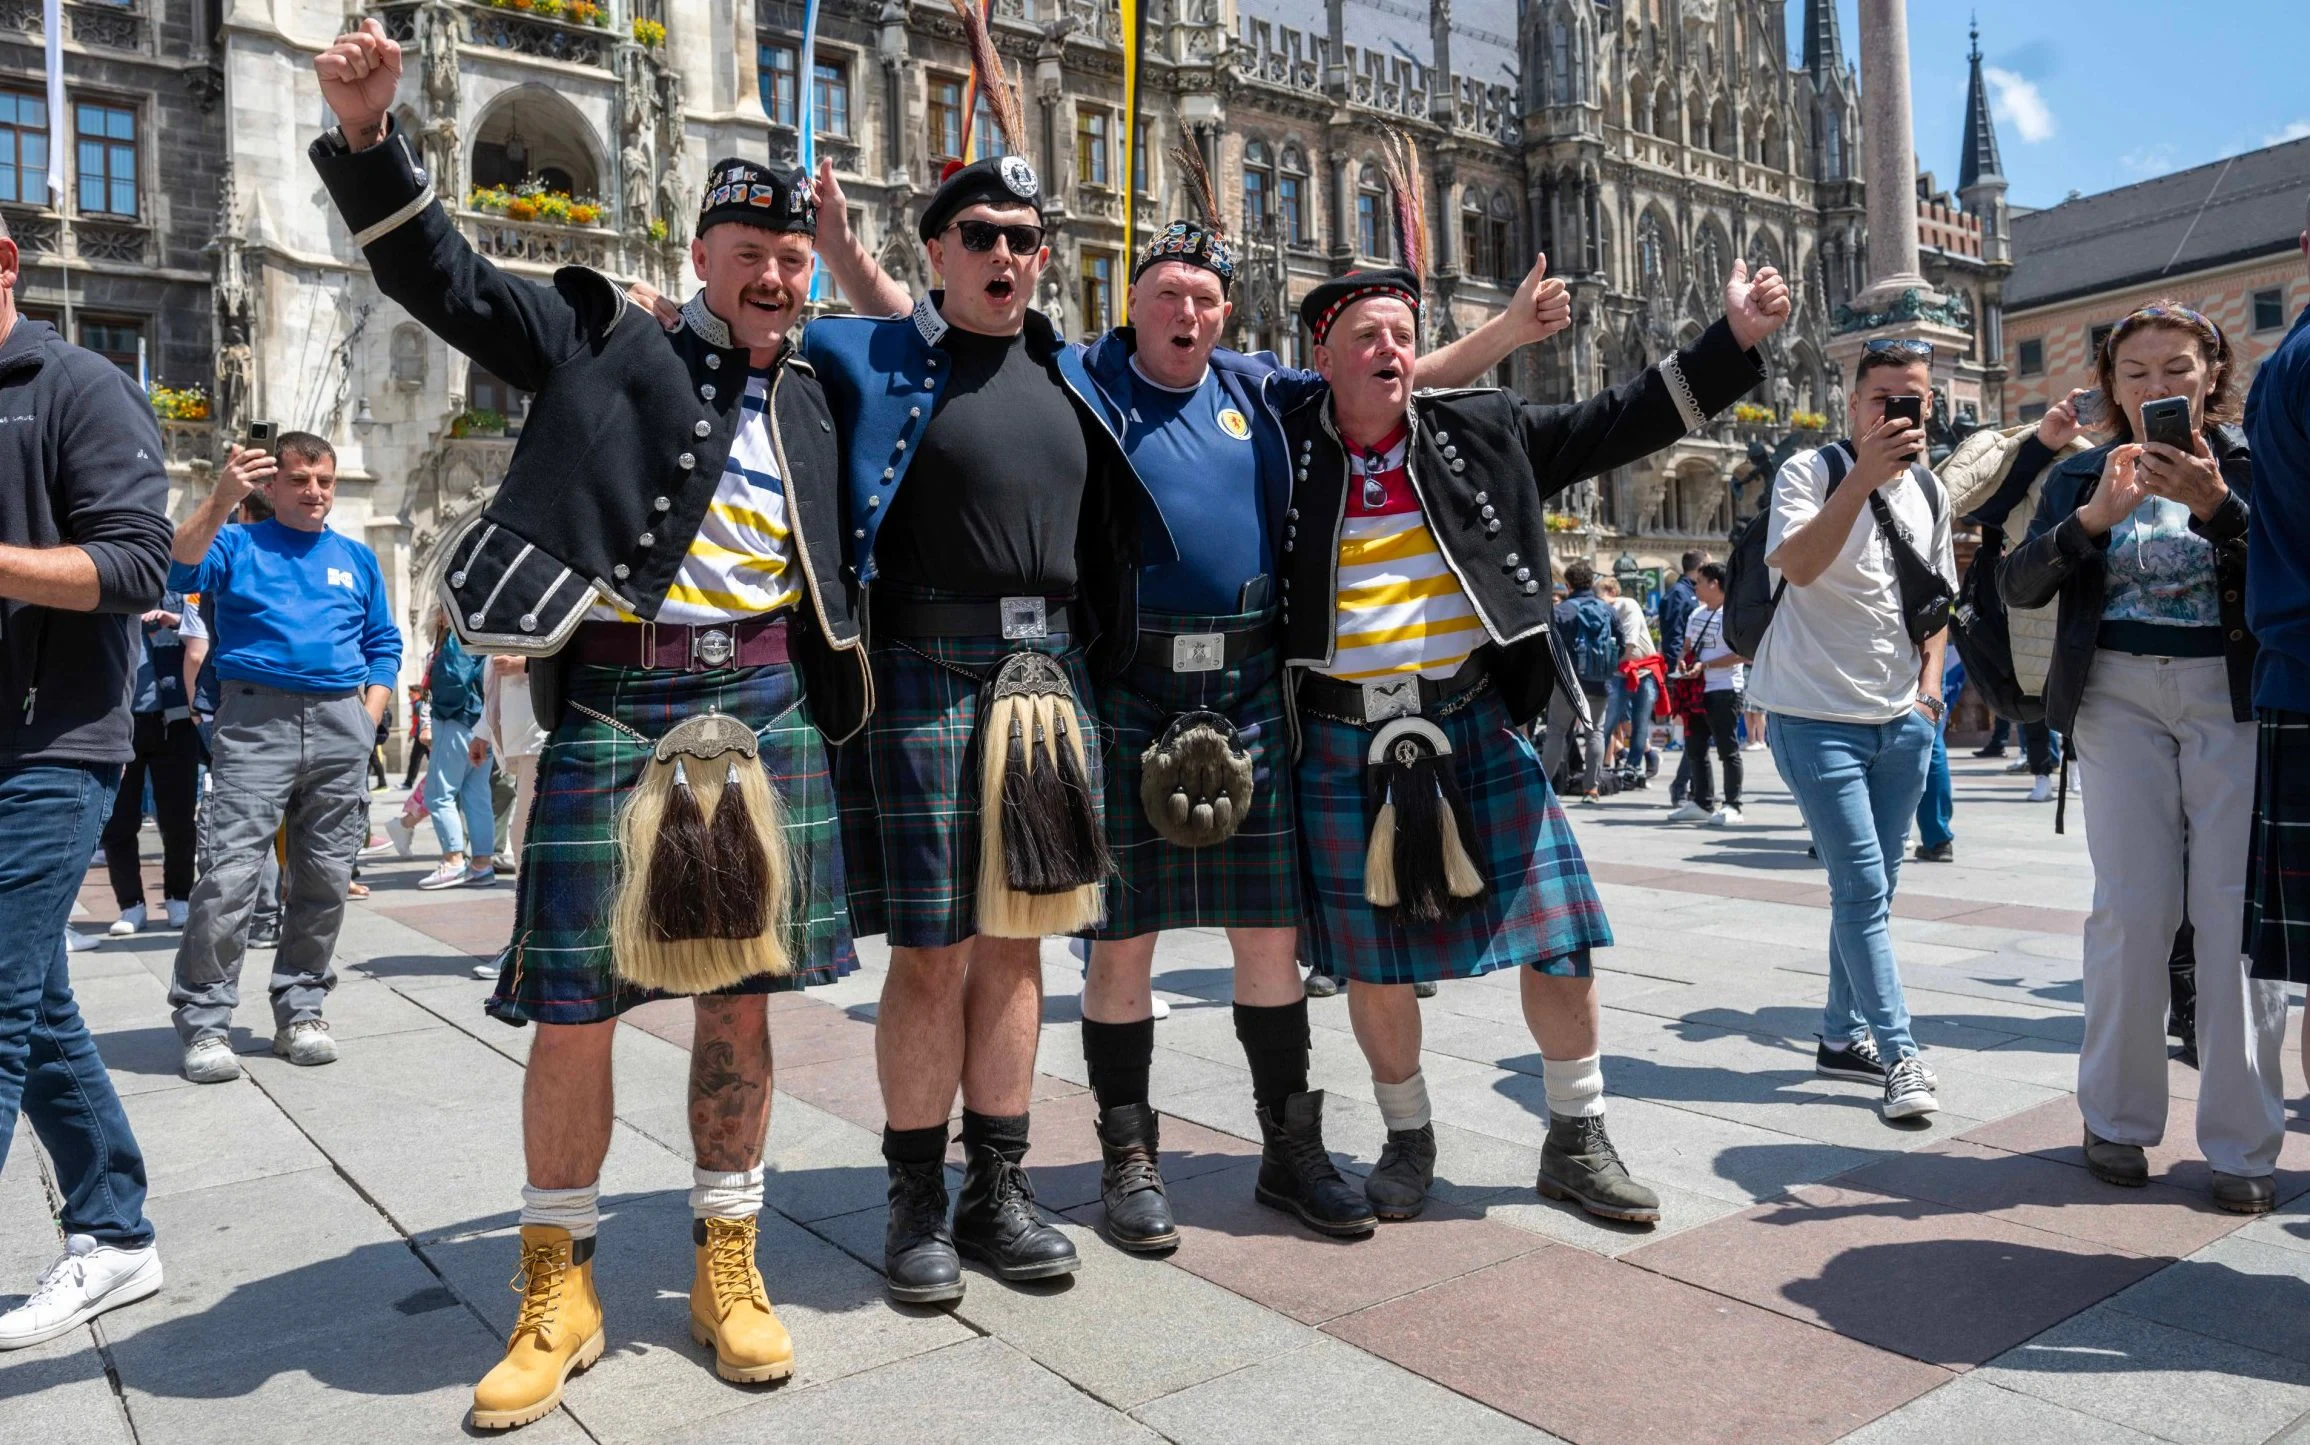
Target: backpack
x=1750 y=594
x=1589 y=631
x=1984 y=639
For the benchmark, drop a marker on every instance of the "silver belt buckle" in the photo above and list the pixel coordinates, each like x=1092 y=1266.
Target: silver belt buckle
x=1391 y=697
x=712 y=646
x=1198 y=651
x=1024 y=618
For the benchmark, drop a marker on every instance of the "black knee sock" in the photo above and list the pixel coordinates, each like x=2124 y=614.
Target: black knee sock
x=1006 y=1134
x=1119 y=1056
x=914 y=1146
x=1275 y=1042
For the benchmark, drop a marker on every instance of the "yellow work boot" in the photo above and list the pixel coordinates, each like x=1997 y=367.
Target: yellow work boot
x=558 y=1332
x=730 y=1310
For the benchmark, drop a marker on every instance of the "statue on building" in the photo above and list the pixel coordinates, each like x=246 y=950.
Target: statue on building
x=634 y=167
x=236 y=368
x=1784 y=393
x=438 y=28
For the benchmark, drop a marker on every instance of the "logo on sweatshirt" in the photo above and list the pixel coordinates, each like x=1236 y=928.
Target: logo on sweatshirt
x=339 y=577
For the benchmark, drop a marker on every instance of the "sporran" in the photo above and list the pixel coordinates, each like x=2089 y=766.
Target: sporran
x=1420 y=864
x=1195 y=780
x=1041 y=850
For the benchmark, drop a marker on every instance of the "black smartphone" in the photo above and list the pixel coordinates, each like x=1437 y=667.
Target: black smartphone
x=262 y=435
x=2167 y=420
x=1911 y=407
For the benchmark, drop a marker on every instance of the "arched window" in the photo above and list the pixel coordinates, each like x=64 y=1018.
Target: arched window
x=1720 y=129
x=1291 y=196
x=1258 y=188
x=1696 y=132
x=1498 y=238
x=1475 y=254
x=1374 y=234
x=408 y=358
x=1664 y=112
x=1639 y=105
x=1708 y=260
x=1563 y=83
x=1769 y=144
x=1832 y=148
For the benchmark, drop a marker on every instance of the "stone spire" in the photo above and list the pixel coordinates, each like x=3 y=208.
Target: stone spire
x=1824 y=47
x=1980 y=165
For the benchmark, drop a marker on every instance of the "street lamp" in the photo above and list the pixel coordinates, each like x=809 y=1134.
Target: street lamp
x=362 y=420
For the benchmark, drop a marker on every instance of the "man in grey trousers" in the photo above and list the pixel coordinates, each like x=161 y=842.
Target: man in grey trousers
x=306 y=656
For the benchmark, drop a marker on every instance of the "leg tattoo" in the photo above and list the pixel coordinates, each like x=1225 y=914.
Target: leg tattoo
x=730 y=1083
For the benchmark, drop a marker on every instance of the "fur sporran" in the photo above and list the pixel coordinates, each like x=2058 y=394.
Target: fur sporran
x=1041 y=854
x=704 y=872
x=1421 y=863
x=1195 y=780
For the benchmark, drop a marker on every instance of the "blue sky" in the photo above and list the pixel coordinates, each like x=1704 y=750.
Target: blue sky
x=2094 y=94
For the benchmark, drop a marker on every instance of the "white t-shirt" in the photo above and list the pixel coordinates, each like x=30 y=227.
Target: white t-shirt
x=1838 y=650
x=1704 y=637
x=1634 y=632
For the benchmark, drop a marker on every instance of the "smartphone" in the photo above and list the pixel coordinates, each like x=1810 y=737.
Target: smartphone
x=1911 y=407
x=2092 y=409
x=262 y=435
x=2167 y=420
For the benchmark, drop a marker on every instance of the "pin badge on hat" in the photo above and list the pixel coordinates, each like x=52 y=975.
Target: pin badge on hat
x=1020 y=177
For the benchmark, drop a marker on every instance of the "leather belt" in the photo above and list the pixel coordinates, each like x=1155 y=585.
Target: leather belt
x=672 y=647
x=1204 y=651
x=1375 y=700
x=1014 y=619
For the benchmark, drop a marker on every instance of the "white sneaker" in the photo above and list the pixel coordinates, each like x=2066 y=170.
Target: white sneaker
x=77 y=942
x=89 y=1279
x=448 y=875
x=176 y=910
x=1687 y=811
x=1162 y=1009
x=210 y=1061
x=507 y=863
x=484 y=877
x=306 y=1043
x=2018 y=765
x=130 y=922
x=485 y=971
x=1726 y=817
x=1909 y=1089
x=404 y=837
x=2041 y=791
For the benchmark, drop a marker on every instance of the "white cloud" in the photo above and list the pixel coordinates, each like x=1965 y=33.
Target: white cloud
x=2016 y=102
x=2149 y=161
x=2297 y=130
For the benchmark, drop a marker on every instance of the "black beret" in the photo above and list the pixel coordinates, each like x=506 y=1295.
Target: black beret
x=995 y=181
x=740 y=190
x=1193 y=243
x=1324 y=304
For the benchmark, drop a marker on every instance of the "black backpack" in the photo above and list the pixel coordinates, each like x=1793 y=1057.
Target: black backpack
x=1984 y=637
x=1750 y=594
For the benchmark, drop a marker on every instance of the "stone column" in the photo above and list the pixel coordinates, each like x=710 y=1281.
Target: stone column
x=1892 y=155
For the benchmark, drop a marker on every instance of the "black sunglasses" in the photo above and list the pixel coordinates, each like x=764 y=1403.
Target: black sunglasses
x=1899 y=346
x=980 y=236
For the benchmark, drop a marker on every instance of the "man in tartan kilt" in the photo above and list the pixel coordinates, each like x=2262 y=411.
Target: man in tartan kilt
x=1202 y=428
x=665 y=547
x=1416 y=602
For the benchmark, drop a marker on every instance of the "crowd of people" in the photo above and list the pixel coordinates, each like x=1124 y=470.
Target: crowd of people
x=921 y=621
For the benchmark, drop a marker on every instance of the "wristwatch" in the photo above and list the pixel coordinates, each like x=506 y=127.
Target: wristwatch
x=1933 y=705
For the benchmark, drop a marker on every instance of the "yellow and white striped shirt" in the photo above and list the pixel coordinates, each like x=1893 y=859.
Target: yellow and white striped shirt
x=741 y=562
x=1400 y=608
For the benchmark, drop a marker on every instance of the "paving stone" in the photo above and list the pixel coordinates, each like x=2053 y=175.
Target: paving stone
x=1972 y=1411
x=1329 y=1393
x=1714 y=1368
x=2056 y=1130
x=846 y=1088
x=653 y=1379
x=196 y=1138
x=1267 y=1256
x=58 y=1393
x=1930 y=1282
x=2175 y=1383
x=2251 y=1294
x=966 y=1394
x=1065 y=1160
x=818 y=1166
x=1567 y=1223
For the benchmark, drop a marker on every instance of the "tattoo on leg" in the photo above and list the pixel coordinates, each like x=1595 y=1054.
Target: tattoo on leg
x=729 y=1100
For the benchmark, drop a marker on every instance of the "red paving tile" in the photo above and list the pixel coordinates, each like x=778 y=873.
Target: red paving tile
x=2043 y=1194
x=1064 y=1160
x=846 y=1088
x=1924 y=1280
x=1926 y=906
x=1232 y=1240
x=1601 y=1352
x=476 y=925
x=2055 y=1130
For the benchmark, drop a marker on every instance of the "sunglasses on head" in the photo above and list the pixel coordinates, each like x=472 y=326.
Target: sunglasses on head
x=1899 y=346
x=980 y=236
x=2182 y=313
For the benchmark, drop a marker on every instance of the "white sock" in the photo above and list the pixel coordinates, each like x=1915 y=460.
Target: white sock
x=736 y=1195
x=1405 y=1105
x=577 y=1210
x=1575 y=1086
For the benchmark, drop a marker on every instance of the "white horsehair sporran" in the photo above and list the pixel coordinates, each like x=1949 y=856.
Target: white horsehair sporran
x=704 y=871
x=1042 y=855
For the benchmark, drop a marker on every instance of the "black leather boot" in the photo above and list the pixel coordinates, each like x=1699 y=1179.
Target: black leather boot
x=918 y=1255
x=1578 y=1163
x=1397 y=1187
x=1130 y=1182
x=1296 y=1174
x=996 y=1224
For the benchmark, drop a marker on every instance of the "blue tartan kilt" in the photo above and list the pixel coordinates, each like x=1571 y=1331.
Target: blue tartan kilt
x=2277 y=936
x=558 y=968
x=1542 y=910
x=910 y=785
x=1251 y=880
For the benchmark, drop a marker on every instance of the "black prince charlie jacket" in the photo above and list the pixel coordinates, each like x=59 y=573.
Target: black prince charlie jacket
x=624 y=443
x=1484 y=463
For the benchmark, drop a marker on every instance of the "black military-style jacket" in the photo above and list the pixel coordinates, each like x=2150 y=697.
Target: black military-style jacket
x=1484 y=463
x=624 y=443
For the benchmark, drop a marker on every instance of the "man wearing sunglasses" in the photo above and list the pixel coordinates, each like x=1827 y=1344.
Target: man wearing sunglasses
x=1202 y=427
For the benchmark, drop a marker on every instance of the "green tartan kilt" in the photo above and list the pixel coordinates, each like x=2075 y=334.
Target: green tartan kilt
x=1253 y=879
x=558 y=968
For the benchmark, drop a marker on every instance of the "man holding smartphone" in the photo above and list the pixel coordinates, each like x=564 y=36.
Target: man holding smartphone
x=1855 y=701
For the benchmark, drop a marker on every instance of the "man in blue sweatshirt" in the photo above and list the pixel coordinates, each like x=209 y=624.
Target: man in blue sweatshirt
x=306 y=656
x=2277 y=936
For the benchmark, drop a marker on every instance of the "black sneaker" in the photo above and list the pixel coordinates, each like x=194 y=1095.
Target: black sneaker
x=1937 y=852
x=264 y=935
x=1994 y=750
x=1909 y=1090
x=919 y=1266
x=996 y=1224
x=1858 y=1061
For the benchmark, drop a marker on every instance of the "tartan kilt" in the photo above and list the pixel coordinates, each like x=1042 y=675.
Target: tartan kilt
x=2277 y=936
x=558 y=968
x=1252 y=879
x=1542 y=909
x=910 y=785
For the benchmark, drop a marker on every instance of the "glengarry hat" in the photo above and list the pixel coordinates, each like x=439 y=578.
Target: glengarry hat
x=756 y=195
x=1325 y=303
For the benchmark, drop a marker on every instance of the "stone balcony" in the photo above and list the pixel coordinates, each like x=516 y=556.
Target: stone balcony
x=510 y=29
x=97 y=23
x=541 y=245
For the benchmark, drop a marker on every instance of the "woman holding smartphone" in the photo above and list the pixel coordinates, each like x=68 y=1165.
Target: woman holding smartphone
x=2143 y=541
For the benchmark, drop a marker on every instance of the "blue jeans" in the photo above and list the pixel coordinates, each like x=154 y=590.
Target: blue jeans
x=1857 y=785
x=457 y=792
x=1634 y=707
x=1939 y=804
x=48 y=1064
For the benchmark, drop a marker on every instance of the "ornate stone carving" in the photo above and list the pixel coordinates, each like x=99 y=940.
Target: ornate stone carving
x=440 y=27
x=104 y=241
